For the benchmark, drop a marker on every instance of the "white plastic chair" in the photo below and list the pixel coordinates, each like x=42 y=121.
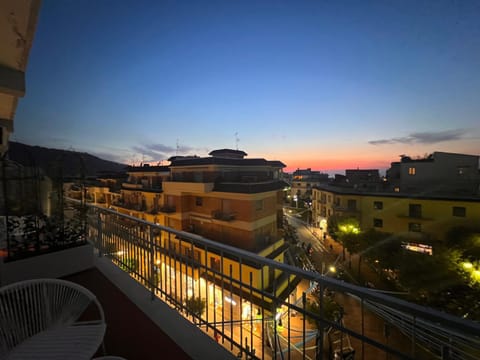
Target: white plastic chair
x=39 y=319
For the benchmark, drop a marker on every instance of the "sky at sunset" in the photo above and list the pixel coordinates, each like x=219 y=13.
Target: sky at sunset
x=325 y=84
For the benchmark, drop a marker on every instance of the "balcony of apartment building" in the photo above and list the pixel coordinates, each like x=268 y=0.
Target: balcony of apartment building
x=167 y=208
x=250 y=187
x=138 y=325
x=414 y=213
x=223 y=215
x=350 y=208
x=142 y=185
x=177 y=186
x=153 y=293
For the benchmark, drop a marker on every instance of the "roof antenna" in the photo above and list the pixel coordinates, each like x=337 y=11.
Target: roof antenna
x=236 y=140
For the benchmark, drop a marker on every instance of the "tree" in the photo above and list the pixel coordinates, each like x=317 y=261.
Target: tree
x=344 y=229
x=465 y=239
x=383 y=248
x=195 y=306
x=425 y=274
x=331 y=311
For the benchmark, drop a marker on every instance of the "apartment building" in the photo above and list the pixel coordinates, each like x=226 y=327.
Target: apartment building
x=303 y=180
x=225 y=197
x=141 y=194
x=413 y=216
x=439 y=172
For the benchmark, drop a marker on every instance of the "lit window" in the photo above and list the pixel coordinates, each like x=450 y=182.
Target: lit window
x=396 y=189
x=214 y=264
x=459 y=211
x=411 y=171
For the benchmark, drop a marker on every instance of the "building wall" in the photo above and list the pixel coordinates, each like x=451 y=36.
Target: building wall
x=436 y=219
x=250 y=220
x=227 y=266
x=392 y=213
x=443 y=172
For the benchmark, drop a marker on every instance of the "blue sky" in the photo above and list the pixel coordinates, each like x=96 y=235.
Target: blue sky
x=320 y=84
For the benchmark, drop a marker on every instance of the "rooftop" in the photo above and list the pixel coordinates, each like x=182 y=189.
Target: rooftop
x=352 y=191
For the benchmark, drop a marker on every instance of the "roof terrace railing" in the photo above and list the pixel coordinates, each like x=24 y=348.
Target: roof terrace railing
x=260 y=308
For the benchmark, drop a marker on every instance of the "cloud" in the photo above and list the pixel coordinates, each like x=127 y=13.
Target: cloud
x=423 y=137
x=158 y=152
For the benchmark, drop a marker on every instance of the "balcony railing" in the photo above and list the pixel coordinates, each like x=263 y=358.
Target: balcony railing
x=168 y=209
x=127 y=185
x=345 y=209
x=252 y=305
x=223 y=215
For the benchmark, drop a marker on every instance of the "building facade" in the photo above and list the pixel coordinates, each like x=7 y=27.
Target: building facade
x=224 y=197
x=303 y=181
x=439 y=172
x=412 y=216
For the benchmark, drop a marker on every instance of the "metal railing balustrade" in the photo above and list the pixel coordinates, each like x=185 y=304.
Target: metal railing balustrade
x=257 y=307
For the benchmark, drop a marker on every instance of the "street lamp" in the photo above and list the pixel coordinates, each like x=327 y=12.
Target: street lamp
x=331 y=269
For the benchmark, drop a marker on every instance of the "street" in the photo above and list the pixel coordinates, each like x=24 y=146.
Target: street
x=326 y=255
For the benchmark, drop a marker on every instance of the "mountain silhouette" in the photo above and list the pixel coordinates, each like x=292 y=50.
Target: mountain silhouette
x=64 y=163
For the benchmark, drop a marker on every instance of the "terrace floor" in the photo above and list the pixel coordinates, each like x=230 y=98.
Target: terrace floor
x=130 y=332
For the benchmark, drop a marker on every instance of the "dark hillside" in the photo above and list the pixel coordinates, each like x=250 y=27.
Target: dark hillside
x=73 y=163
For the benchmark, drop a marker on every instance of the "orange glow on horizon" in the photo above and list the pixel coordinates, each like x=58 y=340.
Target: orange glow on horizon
x=329 y=165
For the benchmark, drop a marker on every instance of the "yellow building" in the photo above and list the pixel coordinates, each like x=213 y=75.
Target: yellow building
x=226 y=198
x=142 y=194
x=413 y=216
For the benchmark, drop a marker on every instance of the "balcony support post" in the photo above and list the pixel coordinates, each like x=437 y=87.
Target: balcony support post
x=99 y=234
x=153 y=275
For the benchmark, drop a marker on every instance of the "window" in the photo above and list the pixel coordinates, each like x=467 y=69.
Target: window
x=411 y=171
x=459 y=211
x=329 y=198
x=378 y=223
x=378 y=205
x=191 y=254
x=352 y=204
x=198 y=201
x=214 y=264
x=415 y=210
x=396 y=189
x=415 y=227
x=259 y=205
